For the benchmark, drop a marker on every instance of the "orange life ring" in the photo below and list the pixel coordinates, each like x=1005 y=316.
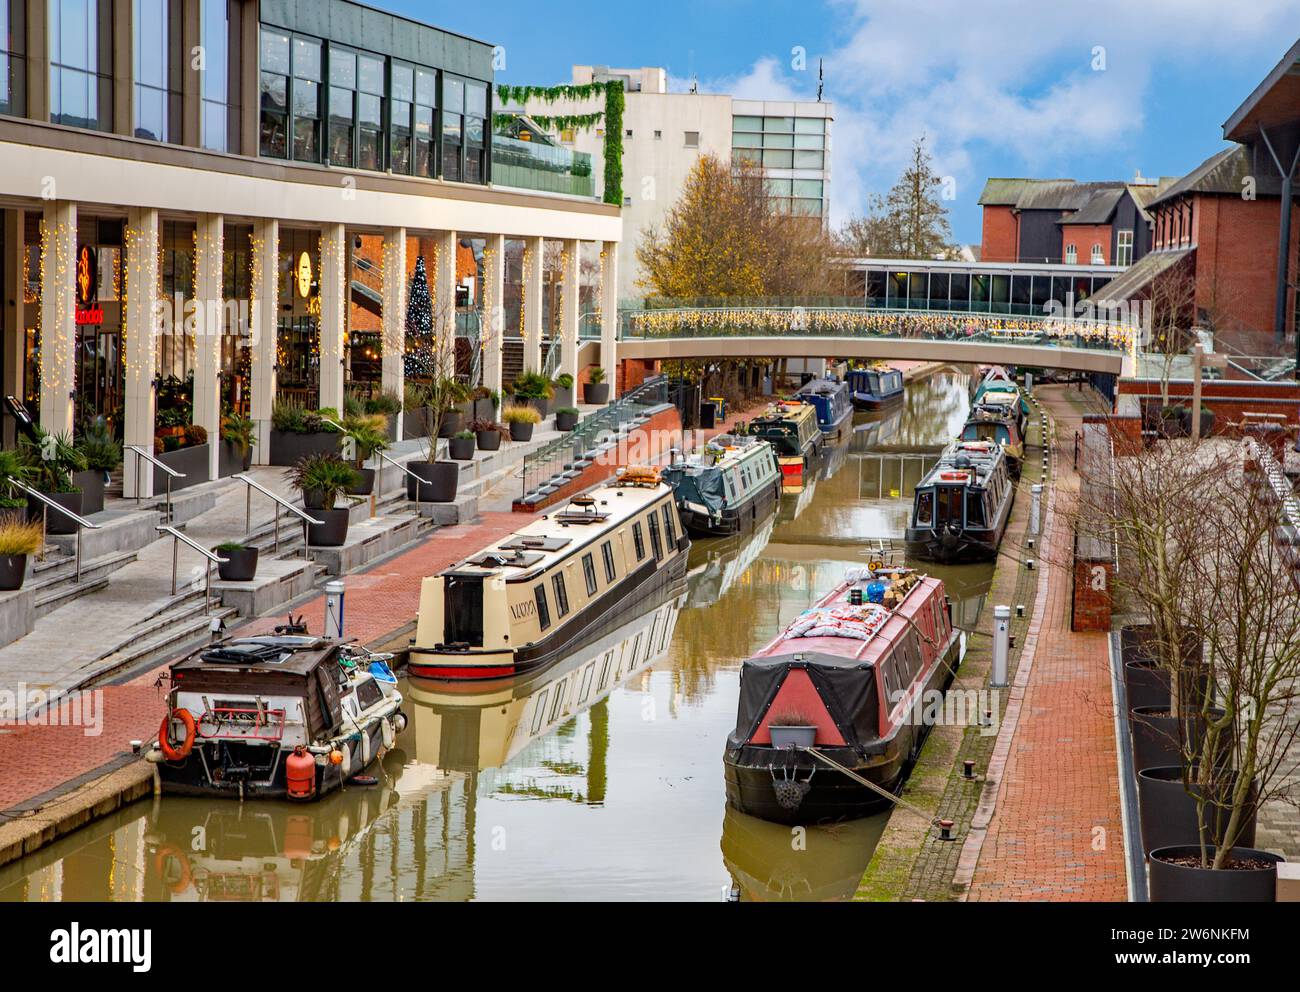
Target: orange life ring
x=954 y=477
x=164 y=735
x=170 y=852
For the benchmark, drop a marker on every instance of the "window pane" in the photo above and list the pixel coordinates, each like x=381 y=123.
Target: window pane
x=808 y=160
x=778 y=187
x=275 y=90
x=781 y=125
x=476 y=99
x=403 y=83
x=424 y=123
x=306 y=58
x=306 y=140
x=809 y=125
x=778 y=141
x=340 y=107
x=275 y=52
x=149 y=120
x=451 y=128
x=273 y=136
x=778 y=160
x=368 y=110
x=343 y=68
x=370 y=74
x=453 y=95
x=808 y=187
x=748 y=155
x=426 y=87
x=401 y=118
x=474 y=131
x=746 y=141
x=747 y=124
x=306 y=98
x=809 y=141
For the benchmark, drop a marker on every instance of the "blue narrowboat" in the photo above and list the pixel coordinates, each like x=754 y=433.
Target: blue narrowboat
x=830 y=398
x=874 y=387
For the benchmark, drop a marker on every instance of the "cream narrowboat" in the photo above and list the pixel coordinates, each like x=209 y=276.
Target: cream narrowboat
x=553 y=585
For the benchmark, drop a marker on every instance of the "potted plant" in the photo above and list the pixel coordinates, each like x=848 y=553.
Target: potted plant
x=439 y=479
x=521 y=420
x=12 y=505
x=415 y=396
x=793 y=729
x=1173 y=421
x=363 y=435
x=596 y=391
x=488 y=434
x=322 y=480
x=240 y=564
x=18 y=541
x=297 y=432
x=566 y=418
x=103 y=455
x=1207 y=421
x=238 y=435
x=535 y=390
x=53 y=460
x=563 y=389
x=461 y=446
x=388 y=403
x=448 y=393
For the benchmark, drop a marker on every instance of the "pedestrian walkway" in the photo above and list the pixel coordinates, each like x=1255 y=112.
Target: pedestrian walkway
x=1056 y=832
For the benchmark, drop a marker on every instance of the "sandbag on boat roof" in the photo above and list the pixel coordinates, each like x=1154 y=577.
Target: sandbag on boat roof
x=846 y=685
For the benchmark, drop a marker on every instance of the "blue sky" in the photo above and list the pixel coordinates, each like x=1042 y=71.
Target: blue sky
x=1096 y=90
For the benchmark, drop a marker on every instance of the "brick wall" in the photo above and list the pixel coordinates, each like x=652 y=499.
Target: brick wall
x=1083 y=237
x=1000 y=241
x=1092 y=602
x=631 y=373
x=1230 y=399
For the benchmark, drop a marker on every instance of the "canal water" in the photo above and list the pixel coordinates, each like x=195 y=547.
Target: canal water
x=599 y=779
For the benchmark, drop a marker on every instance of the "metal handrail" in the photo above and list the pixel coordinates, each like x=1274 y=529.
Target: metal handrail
x=139 y=453
x=46 y=504
x=210 y=559
x=379 y=481
x=279 y=502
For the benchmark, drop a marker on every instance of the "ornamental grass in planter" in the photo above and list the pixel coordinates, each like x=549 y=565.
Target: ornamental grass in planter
x=364 y=435
x=238 y=436
x=521 y=420
x=1198 y=556
x=13 y=504
x=596 y=390
x=461 y=446
x=19 y=540
x=240 y=564
x=793 y=729
x=566 y=418
x=52 y=461
x=323 y=480
x=488 y=434
x=438 y=480
x=563 y=390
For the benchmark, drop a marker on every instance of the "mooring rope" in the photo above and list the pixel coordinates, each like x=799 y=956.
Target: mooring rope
x=872 y=785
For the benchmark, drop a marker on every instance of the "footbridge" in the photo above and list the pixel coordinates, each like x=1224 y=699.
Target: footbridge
x=866 y=333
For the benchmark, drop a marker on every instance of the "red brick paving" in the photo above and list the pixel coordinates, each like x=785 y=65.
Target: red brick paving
x=1056 y=834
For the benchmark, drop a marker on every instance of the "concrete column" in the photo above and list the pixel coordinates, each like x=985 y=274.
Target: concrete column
x=443 y=291
x=570 y=300
x=393 y=368
x=263 y=309
x=58 y=316
x=609 y=312
x=494 y=311
x=534 y=259
x=333 y=314
x=13 y=283
x=140 y=348
x=209 y=236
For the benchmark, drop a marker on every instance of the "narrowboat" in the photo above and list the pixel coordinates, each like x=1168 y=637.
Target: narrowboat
x=875 y=386
x=998 y=386
x=961 y=507
x=527 y=600
x=727 y=487
x=791 y=428
x=993 y=422
x=830 y=398
x=847 y=678
x=288 y=716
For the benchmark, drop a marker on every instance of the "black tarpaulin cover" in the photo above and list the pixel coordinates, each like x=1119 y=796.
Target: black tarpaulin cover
x=846 y=685
x=703 y=487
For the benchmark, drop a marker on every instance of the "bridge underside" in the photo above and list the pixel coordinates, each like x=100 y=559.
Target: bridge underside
x=886 y=349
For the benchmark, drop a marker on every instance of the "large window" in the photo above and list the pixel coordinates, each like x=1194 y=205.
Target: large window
x=214 y=32
x=475 y=133
x=370 y=112
x=401 y=116
x=275 y=93
x=426 y=103
x=157 y=74
x=291 y=96
x=306 y=99
x=453 y=118
x=1124 y=248
x=343 y=106
x=785 y=143
x=13 y=67
x=81 y=63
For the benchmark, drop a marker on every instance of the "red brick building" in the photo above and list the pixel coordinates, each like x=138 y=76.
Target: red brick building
x=1059 y=221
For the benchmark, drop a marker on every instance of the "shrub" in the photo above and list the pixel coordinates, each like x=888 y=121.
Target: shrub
x=533 y=386
x=196 y=435
x=595 y=375
x=484 y=426
x=521 y=415
x=288 y=416
x=238 y=430
x=52 y=460
x=572 y=411
x=465 y=435
x=564 y=381
x=101 y=450
x=388 y=403
x=231 y=546
x=327 y=474
x=21 y=538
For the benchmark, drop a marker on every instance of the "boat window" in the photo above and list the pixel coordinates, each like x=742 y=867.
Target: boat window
x=561 y=594
x=540 y=711
x=670 y=525
x=558 y=705
x=607 y=553
x=639 y=540
x=543 y=608
x=589 y=572
x=974 y=509
x=604 y=669
x=656 y=541
x=893 y=689
x=586 y=682
x=925 y=508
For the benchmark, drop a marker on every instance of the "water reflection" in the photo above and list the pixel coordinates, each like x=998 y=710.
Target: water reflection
x=598 y=778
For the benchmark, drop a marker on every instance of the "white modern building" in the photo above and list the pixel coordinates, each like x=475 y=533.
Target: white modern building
x=664 y=133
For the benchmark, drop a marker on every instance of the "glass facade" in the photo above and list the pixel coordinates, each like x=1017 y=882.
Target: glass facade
x=157 y=101
x=81 y=63
x=781 y=143
x=13 y=64
x=1015 y=294
x=378 y=113
x=214 y=32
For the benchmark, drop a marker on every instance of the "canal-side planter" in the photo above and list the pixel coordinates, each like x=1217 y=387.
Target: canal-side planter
x=56 y=522
x=1147 y=684
x=1168 y=810
x=439 y=481
x=1156 y=736
x=461 y=447
x=231 y=460
x=566 y=419
x=91 y=484
x=192 y=462
x=1169 y=881
x=415 y=424
x=288 y=447
x=332 y=532
x=240 y=564
x=366 y=484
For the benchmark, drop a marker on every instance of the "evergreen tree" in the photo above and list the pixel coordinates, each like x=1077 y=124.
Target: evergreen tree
x=915 y=210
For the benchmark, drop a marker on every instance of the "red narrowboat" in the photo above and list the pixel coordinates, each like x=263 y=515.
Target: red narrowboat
x=854 y=677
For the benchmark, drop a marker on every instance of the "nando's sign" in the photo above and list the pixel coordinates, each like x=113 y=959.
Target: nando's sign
x=88 y=310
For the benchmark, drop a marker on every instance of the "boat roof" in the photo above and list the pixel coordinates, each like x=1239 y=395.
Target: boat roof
x=787 y=410
x=557 y=535
x=822 y=387
x=981 y=457
x=734 y=449
x=295 y=654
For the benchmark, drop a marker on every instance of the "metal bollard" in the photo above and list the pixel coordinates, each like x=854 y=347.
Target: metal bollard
x=1001 y=643
x=1035 y=508
x=334 y=609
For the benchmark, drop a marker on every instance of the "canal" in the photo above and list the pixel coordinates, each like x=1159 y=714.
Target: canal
x=601 y=778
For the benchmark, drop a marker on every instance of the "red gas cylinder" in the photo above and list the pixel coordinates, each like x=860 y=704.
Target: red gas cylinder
x=300 y=774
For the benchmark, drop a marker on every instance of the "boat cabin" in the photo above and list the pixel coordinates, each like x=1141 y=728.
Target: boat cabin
x=790 y=427
x=830 y=398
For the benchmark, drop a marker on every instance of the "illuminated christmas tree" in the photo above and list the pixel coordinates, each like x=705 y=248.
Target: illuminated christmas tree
x=419 y=323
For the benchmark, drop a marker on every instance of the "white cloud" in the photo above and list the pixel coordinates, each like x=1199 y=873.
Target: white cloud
x=1020 y=74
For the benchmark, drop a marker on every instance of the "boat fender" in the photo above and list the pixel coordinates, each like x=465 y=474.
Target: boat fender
x=365 y=748
x=399 y=721
x=386 y=729
x=346 y=765
x=173 y=752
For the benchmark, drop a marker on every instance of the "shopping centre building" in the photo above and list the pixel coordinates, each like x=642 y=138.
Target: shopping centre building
x=237 y=193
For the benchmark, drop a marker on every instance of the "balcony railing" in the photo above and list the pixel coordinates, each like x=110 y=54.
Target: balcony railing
x=546 y=168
